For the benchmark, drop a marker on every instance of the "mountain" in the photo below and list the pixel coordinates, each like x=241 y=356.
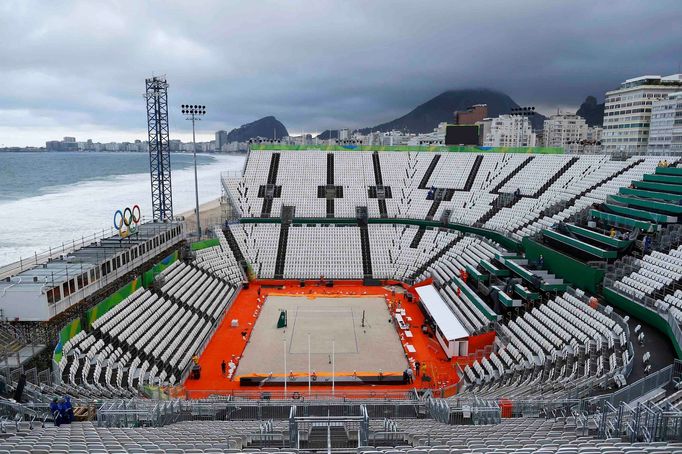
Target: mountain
x=592 y=112
x=425 y=118
x=328 y=134
x=267 y=127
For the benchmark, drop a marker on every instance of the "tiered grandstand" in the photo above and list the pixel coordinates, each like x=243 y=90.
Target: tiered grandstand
x=150 y=336
x=364 y=300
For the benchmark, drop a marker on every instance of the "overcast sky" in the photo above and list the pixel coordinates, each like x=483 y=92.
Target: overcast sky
x=78 y=67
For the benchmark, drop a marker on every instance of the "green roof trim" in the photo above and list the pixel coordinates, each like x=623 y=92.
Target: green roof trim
x=598 y=237
x=661 y=187
x=669 y=171
x=651 y=194
x=525 y=293
x=553 y=287
x=492 y=269
x=475 y=300
x=667 y=179
x=474 y=273
x=650 y=204
x=640 y=214
x=505 y=299
x=518 y=269
x=585 y=247
x=437 y=149
x=504 y=241
x=622 y=220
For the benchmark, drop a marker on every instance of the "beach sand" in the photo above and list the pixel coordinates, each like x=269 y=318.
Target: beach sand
x=210 y=214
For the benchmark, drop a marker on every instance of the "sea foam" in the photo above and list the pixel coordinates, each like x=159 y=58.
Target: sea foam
x=66 y=213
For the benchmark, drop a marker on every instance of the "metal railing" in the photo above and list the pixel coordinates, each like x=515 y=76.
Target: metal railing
x=299 y=393
x=25 y=263
x=439 y=410
x=138 y=412
x=644 y=421
x=641 y=387
x=300 y=426
x=38 y=257
x=144 y=412
x=229 y=196
x=675 y=328
x=13 y=413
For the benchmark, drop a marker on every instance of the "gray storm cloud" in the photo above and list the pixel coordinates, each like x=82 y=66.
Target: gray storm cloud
x=79 y=67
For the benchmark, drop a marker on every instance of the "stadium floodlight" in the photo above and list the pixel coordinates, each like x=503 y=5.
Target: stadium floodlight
x=523 y=111
x=193 y=113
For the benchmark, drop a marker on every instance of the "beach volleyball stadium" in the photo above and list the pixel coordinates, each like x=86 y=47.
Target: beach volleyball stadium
x=364 y=299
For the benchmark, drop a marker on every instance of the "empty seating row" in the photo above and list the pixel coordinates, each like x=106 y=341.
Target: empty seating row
x=656 y=272
x=150 y=337
x=548 y=340
x=220 y=260
x=414 y=178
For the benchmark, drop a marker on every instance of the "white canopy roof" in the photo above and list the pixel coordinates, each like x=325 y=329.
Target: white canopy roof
x=447 y=321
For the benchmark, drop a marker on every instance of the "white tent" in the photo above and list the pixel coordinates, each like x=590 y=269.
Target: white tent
x=451 y=334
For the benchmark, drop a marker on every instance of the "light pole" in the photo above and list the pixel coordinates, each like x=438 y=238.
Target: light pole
x=333 y=363
x=309 y=365
x=194 y=112
x=284 y=341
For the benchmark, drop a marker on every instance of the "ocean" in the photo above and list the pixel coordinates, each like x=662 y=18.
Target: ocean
x=47 y=199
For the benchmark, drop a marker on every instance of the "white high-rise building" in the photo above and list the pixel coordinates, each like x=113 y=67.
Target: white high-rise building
x=509 y=131
x=665 y=131
x=565 y=130
x=627 y=112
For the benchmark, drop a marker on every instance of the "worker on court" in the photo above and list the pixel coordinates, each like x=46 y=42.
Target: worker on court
x=410 y=375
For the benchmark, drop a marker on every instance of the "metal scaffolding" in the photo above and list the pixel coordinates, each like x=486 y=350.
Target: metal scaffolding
x=159 y=147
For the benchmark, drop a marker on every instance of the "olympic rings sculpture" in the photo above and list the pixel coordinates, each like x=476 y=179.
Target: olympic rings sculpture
x=126 y=221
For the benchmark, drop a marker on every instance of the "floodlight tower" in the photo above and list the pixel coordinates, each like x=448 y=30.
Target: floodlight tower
x=194 y=113
x=159 y=147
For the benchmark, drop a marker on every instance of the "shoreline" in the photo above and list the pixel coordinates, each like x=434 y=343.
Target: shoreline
x=210 y=214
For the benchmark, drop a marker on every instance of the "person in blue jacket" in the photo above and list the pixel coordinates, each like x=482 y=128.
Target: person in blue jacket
x=62 y=412
x=69 y=409
x=54 y=409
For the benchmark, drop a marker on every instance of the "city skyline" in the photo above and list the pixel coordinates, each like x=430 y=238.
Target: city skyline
x=79 y=67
